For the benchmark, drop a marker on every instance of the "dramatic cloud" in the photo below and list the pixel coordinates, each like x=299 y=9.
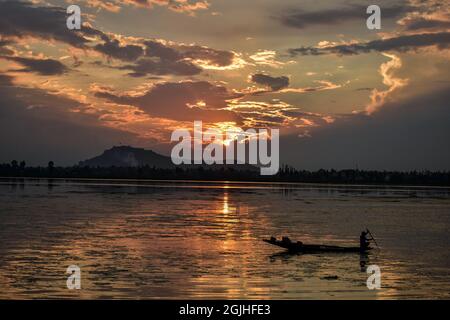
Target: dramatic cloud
x=377 y=98
x=158 y=57
x=22 y=19
x=280 y=85
x=38 y=127
x=163 y=51
x=45 y=67
x=19 y=19
x=275 y=114
x=168 y=51
x=189 y=101
x=410 y=134
x=322 y=86
x=401 y=44
x=113 y=49
x=183 y=6
x=160 y=67
x=266 y=58
x=164 y=58
x=428 y=16
x=109 y=5
x=302 y=19
x=183 y=101
x=422 y=23
x=219 y=58
x=274 y=83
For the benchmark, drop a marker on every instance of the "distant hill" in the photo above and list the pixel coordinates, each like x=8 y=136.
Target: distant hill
x=126 y=156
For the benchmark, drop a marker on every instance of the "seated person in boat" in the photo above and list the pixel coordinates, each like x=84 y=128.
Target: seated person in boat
x=286 y=240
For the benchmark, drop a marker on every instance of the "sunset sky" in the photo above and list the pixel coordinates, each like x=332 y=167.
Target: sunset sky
x=342 y=96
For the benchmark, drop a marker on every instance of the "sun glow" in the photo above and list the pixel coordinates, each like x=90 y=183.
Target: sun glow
x=230 y=128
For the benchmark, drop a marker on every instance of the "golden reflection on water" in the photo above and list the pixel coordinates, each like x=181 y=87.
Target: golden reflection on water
x=226 y=209
x=234 y=280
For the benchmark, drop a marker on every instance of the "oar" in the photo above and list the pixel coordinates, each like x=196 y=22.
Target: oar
x=373 y=238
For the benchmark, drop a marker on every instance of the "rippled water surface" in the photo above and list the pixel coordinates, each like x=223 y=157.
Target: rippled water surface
x=203 y=240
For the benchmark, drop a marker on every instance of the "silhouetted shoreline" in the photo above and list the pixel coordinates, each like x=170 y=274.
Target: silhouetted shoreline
x=286 y=174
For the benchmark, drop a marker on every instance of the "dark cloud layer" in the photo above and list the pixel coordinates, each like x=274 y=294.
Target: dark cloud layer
x=159 y=67
x=401 y=44
x=45 y=67
x=22 y=18
x=184 y=101
x=173 y=59
x=220 y=58
x=274 y=83
x=422 y=24
x=302 y=19
x=113 y=49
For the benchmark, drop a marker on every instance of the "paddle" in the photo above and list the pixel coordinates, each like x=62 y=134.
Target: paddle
x=373 y=238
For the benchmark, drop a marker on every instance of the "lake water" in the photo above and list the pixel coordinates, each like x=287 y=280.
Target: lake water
x=203 y=240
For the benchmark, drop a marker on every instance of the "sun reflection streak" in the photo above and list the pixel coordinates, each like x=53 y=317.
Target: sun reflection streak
x=226 y=209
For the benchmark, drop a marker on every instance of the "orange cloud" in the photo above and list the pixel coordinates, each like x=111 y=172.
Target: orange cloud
x=377 y=98
x=182 y=6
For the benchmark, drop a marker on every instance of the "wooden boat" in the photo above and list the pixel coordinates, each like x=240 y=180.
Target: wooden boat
x=299 y=247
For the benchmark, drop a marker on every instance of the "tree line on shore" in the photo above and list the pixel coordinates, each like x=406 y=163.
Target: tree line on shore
x=199 y=172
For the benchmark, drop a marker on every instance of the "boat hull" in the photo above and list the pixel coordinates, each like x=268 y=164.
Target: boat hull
x=313 y=248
